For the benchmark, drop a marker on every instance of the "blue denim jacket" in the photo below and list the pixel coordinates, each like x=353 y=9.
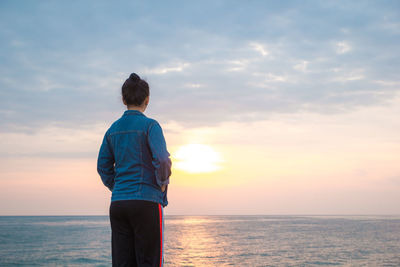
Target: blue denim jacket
x=133 y=160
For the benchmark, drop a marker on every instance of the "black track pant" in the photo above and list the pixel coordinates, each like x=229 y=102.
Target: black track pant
x=137 y=233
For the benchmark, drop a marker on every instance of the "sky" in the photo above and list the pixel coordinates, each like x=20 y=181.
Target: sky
x=299 y=101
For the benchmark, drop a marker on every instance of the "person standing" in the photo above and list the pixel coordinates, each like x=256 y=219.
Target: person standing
x=134 y=163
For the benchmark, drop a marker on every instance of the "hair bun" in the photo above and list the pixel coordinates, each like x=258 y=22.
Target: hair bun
x=134 y=77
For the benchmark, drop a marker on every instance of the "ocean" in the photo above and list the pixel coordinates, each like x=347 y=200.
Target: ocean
x=209 y=241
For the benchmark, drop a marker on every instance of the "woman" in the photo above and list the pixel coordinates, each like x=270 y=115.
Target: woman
x=134 y=164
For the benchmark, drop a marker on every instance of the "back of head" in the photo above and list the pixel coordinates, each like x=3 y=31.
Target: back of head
x=134 y=90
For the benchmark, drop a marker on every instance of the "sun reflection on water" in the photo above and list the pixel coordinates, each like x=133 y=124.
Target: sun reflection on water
x=195 y=245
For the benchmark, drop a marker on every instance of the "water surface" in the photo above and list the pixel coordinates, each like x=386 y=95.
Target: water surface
x=209 y=241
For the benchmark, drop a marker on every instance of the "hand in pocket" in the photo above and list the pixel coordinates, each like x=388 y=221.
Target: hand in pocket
x=163 y=187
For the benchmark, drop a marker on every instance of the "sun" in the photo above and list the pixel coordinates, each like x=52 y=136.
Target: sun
x=197 y=158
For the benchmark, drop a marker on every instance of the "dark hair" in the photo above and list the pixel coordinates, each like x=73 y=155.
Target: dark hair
x=135 y=90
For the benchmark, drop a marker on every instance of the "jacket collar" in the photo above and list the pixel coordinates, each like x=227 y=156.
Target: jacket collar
x=133 y=112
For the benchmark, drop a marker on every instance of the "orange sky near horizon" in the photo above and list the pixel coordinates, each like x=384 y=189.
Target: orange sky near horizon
x=292 y=164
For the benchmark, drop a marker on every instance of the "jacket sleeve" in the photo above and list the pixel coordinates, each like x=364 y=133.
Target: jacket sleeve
x=160 y=156
x=105 y=163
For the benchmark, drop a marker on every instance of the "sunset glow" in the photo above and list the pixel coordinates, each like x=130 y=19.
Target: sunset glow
x=197 y=158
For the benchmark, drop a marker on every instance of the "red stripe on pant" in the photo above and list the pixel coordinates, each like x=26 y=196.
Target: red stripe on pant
x=161 y=234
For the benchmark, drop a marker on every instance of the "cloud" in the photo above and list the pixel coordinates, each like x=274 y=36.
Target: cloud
x=237 y=65
x=163 y=70
x=67 y=67
x=260 y=48
x=343 y=75
x=193 y=85
x=53 y=142
x=301 y=66
x=343 y=47
x=394 y=180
